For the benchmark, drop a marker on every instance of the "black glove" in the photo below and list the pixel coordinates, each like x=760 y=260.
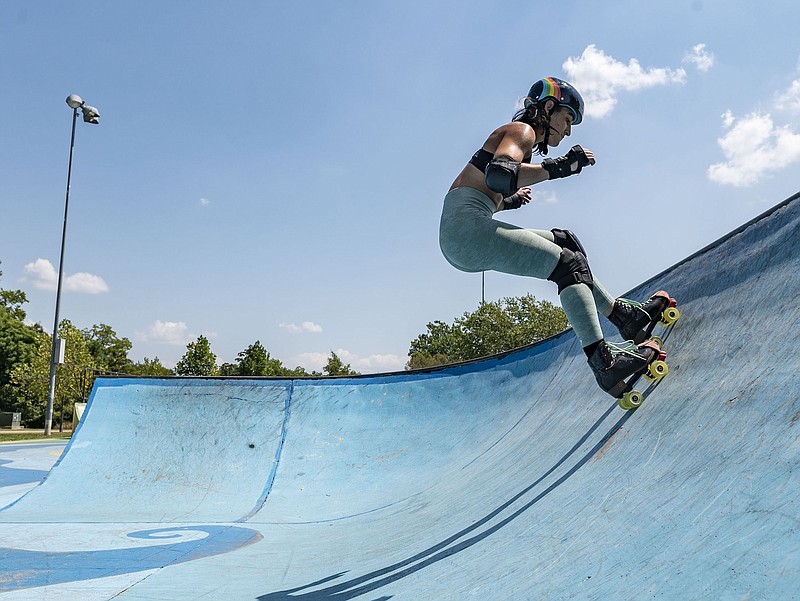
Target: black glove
x=570 y=164
x=512 y=202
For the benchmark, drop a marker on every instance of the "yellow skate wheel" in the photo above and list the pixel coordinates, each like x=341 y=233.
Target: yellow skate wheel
x=631 y=400
x=658 y=369
x=670 y=316
x=658 y=340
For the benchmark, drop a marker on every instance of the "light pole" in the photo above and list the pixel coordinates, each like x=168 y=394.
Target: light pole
x=90 y=115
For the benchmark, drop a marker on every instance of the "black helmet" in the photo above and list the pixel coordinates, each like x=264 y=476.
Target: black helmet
x=551 y=88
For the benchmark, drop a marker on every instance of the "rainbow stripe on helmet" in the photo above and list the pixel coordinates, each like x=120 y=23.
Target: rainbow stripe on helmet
x=551 y=89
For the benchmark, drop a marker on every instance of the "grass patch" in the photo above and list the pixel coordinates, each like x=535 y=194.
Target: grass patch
x=36 y=435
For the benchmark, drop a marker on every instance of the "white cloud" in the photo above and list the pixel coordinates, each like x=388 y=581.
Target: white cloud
x=376 y=363
x=303 y=328
x=204 y=202
x=548 y=197
x=700 y=58
x=790 y=99
x=728 y=119
x=753 y=147
x=44 y=276
x=312 y=361
x=166 y=332
x=373 y=363
x=388 y=362
x=600 y=78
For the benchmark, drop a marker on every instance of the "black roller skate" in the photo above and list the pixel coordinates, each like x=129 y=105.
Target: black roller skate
x=613 y=363
x=636 y=321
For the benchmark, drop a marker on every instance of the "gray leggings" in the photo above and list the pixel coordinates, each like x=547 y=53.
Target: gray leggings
x=472 y=241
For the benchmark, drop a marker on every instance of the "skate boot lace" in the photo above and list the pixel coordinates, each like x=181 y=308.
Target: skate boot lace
x=626 y=348
x=630 y=303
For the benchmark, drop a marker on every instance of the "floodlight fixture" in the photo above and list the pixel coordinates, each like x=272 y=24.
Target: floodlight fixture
x=74 y=101
x=90 y=114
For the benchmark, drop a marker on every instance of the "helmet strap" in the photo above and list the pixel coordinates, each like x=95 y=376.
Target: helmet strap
x=543 y=145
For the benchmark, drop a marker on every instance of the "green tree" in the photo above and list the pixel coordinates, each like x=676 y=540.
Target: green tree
x=12 y=301
x=228 y=369
x=336 y=367
x=198 y=359
x=18 y=346
x=109 y=351
x=149 y=367
x=300 y=372
x=29 y=382
x=255 y=360
x=18 y=341
x=533 y=320
x=492 y=328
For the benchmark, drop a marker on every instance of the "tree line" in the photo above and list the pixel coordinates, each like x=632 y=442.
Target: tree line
x=25 y=352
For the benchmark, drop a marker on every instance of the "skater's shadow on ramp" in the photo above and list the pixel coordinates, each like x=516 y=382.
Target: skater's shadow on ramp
x=466 y=538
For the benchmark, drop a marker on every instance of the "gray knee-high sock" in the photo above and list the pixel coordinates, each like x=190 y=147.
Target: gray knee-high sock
x=579 y=305
x=602 y=298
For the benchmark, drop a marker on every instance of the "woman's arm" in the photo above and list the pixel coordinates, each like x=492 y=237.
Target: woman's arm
x=507 y=172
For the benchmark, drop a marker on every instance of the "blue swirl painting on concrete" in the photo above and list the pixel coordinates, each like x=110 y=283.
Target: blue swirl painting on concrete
x=21 y=569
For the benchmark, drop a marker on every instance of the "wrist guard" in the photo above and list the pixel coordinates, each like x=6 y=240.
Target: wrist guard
x=570 y=164
x=512 y=202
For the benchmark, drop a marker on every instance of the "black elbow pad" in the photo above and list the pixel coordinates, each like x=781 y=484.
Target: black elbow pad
x=501 y=176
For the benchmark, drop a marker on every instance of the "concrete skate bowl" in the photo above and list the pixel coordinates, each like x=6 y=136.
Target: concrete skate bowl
x=512 y=477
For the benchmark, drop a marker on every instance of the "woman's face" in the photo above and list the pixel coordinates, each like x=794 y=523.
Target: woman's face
x=560 y=125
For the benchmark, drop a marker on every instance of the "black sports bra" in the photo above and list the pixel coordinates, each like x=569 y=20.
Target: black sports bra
x=483 y=157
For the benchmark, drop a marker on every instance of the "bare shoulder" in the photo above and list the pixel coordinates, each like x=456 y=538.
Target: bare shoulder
x=517 y=127
x=521 y=133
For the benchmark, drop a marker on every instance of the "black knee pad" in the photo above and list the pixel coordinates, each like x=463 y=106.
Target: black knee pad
x=566 y=239
x=572 y=268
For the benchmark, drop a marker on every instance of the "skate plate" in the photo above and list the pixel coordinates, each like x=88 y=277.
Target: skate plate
x=669 y=315
x=657 y=368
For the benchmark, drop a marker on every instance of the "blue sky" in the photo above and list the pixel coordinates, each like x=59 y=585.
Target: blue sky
x=274 y=171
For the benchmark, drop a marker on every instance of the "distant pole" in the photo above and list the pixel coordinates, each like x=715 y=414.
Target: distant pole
x=483 y=287
x=90 y=115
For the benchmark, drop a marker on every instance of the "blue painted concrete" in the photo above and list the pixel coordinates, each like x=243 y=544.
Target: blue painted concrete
x=511 y=478
x=165 y=451
x=43 y=568
x=27 y=463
